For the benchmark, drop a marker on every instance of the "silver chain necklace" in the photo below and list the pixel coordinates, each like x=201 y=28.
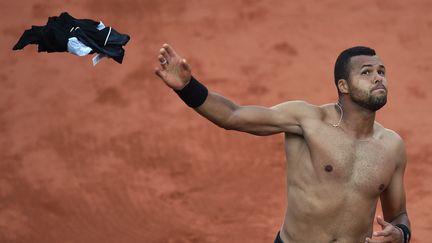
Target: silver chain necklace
x=340 y=119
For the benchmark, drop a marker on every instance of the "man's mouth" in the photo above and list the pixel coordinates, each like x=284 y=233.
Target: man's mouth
x=380 y=87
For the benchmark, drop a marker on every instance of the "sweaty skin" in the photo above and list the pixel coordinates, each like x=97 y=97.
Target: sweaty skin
x=335 y=174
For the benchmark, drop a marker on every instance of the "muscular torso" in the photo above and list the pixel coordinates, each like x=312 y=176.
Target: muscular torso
x=334 y=182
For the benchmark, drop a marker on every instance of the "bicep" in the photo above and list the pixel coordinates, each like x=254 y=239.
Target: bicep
x=258 y=120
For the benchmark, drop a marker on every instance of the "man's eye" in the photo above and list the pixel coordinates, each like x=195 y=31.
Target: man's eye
x=381 y=73
x=366 y=72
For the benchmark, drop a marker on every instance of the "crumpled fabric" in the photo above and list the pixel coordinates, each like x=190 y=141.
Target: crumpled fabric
x=57 y=33
x=78 y=48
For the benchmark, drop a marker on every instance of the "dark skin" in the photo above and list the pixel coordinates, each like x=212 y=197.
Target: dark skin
x=371 y=69
x=336 y=174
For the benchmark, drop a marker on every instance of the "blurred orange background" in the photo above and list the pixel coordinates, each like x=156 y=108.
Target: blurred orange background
x=110 y=154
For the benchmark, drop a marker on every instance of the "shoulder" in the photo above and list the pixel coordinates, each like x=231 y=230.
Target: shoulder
x=388 y=135
x=301 y=108
x=393 y=141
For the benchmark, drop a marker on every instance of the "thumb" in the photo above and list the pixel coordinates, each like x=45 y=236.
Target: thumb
x=381 y=222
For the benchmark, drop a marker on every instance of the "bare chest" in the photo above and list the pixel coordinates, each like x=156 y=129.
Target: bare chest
x=363 y=165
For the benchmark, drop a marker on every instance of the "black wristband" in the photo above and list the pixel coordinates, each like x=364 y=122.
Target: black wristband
x=193 y=94
x=406 y=232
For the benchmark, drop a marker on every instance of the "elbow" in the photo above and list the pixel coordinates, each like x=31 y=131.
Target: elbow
x=231 y=123
x=227 y=126
x=223 y=125
x=226 y=123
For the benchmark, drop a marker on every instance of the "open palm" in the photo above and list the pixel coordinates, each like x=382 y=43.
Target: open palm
x=174 y=70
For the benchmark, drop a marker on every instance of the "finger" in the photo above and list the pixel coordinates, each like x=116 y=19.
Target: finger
x=385 y=232
x=163 y=61
x=369 y=240
x=164 y=53
x=386 y=239
x=169 y=50
x=381 y=222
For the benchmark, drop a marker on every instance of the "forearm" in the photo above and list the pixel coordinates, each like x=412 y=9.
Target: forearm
x=218 y=110
x=212 y=106
x=256 y=120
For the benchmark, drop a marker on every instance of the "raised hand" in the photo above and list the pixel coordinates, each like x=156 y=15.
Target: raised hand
x=388 y=233
x=173 y=70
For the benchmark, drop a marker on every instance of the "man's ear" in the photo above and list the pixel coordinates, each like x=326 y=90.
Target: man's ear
x=343 y=86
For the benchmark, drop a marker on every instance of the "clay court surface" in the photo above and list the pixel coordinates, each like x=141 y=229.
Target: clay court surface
x=109 y=154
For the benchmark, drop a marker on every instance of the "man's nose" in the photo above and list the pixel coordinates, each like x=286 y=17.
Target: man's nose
x=378 y=78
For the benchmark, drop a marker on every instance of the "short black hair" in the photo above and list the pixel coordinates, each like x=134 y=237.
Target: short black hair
x=342 y=65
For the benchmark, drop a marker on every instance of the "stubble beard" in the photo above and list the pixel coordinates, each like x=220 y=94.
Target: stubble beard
x=366 y=100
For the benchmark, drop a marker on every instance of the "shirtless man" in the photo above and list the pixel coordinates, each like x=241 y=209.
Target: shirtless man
x=340 y=160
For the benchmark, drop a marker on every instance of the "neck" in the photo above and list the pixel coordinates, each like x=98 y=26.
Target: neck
x=356 y=121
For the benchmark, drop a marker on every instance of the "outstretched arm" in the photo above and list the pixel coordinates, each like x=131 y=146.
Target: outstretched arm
x=285 y=117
